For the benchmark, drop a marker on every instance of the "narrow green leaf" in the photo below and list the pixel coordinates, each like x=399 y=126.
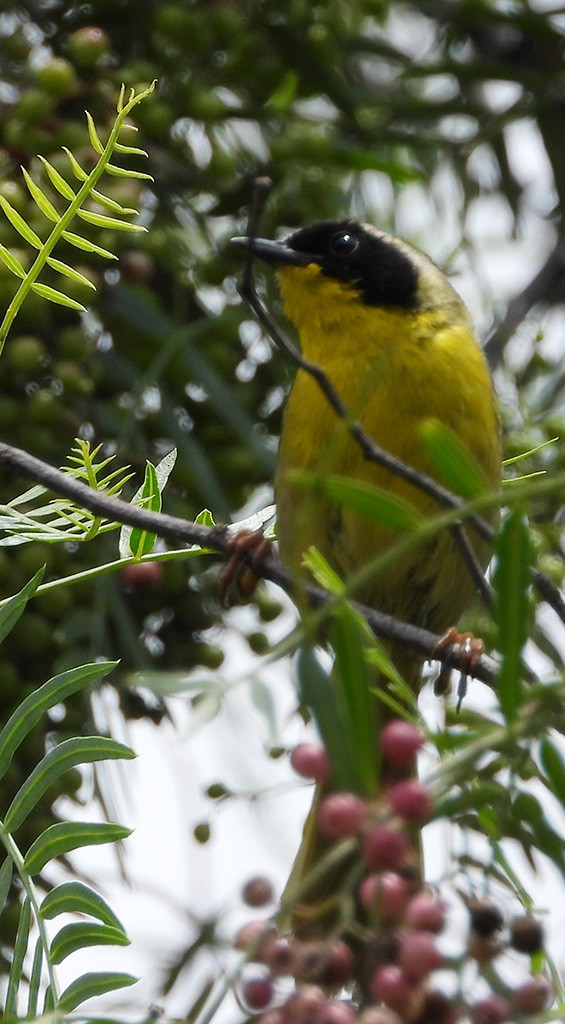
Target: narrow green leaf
x=5 y=881
x=15 y=976
x=65 y=836
x=111 y=204
x=127 y=545
x=141 y=542
x=87 y=246
x=93 y=134
x=41 y=200
x=101 y=221
x=19 y=224
x=511 y=579
x=82 y=934
x=554 y=767
x=317 y=692
x=63 y=268
x=37 y=703
x=52 y=295
x=11 y=262
x=205 y=518
x=120 y=147
x=353 y=678
x=14 y=606
x=122 y=172
x=66 y=755
x=456 y=465
x=34 y=986
x=372 y=502
x=77 y=170
x=58 y=181
x=77 y=898
x=90 y=985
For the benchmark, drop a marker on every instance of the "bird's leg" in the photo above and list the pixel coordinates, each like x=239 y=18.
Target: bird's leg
x=470 y=650
x=246 y=549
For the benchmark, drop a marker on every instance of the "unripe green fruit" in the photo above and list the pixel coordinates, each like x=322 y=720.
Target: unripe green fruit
x=88 y=44
x=34 y=106
x=25 y=354
x=43 y=407
x=57 y=77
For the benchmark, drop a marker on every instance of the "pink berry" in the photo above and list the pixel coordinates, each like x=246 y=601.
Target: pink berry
x=301 y=1006
x=390 y=985
x=276 y=951
x=425 y=912
x=411 y=801
x=311 y=761
x=341 y=962
x=418 y=955
x=249 y=934
x=400 y=742
x=257 y=892
x=491 y=1010
x=385 y=848
x=257 y=993
x=340 y=815
x=384 y=895
x=533 y=996
x=335 y=1011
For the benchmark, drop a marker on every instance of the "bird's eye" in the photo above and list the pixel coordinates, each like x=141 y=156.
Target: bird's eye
x=343 y=243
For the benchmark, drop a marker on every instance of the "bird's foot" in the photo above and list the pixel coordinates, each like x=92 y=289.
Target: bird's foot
x=470 y=650
x=247 y=549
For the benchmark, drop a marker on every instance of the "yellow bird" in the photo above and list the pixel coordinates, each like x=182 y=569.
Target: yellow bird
x=397 y=343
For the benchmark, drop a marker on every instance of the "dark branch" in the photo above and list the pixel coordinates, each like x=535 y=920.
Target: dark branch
x=217 y=538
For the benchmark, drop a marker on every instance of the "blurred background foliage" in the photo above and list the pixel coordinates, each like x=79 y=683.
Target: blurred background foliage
x=441 y=120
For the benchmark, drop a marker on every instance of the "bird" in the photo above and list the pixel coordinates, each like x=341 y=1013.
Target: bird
x=397 y=344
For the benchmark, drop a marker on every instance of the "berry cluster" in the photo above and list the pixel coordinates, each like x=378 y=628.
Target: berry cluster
x=388 y=949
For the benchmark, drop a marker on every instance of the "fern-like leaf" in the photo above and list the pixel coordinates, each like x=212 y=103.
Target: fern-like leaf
x=75 y=208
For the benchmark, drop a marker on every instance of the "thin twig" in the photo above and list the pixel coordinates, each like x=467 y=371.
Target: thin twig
x=217 y=538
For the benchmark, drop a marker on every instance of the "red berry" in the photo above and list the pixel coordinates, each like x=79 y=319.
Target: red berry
x=276 y=951
x=526 y=935
x=257 y=892
x=340 y=963
x=400 y=742
x=419 y=955
x=385 y=848
x=249 y=934
x=391 y=986
x=141 y=575
x=340 y=815
x=302 y=1004
x=384 y=894
x=257 y=993
x=411 y=801
x=533 y=996
x=311 y=761
x=335 y=1011
x=425 y=912
x=492 y=1010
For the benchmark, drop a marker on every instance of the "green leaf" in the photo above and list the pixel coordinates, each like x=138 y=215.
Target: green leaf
x=141 y=542
x=77 y=898
x=65 y=836
x=58 y=181
x=456 y=465
x=77 y=170
x=19 y=224
x=34 y=986
x=554 y=768
x=11 y=262
x=37 y=703
x=52 y=295
x=369 y=501
x=90 y=985
x=122 y=172
x=5 y=881
x=87 y=246
x=112 y=223
x=15 y=976
x=82 y=934
x=205 y=518
x=93 y=134
x=111 y=204
x=78 y=750
x=63 y=268
x=511 y=579
x=353 y=678
x=318 y=693
x=40 y=198
x=11 y=610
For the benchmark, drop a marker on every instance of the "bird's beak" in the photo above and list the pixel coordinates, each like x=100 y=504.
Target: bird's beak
x=273 y=252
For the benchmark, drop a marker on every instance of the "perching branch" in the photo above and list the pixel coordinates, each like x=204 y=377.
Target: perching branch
x=218 y=538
